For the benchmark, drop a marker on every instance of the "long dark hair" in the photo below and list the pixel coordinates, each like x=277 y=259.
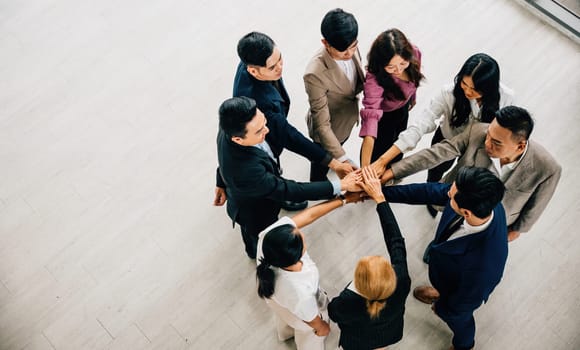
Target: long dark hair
x=282 y=247
x=484 y=71
x=388 y=44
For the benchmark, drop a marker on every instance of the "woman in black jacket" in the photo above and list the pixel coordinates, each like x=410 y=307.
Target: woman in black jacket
x=369 y=311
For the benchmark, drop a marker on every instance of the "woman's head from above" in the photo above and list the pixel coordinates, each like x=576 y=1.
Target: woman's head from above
x=391 y=52
x=375 y=280
x=283 y=246
x=478 y=77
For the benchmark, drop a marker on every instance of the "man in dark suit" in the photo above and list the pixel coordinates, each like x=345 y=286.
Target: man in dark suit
x=259 y=76
x=249 y=173
x=470 y=248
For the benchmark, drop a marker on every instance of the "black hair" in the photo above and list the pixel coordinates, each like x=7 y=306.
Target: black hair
x=388 y=44
x=484 y=71
x=339 y=29
x=235 y=113
x=254 y=48
x=282 y=247
x=517 y=120
x=478 y=190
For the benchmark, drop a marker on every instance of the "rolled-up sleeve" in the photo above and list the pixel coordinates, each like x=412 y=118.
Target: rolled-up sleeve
x=372 y=111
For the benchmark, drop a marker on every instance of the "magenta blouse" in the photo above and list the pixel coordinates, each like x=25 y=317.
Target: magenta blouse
x=374 y=104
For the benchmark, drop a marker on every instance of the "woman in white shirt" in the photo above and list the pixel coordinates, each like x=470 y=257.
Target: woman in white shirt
x=288 y=279
x=474 y=97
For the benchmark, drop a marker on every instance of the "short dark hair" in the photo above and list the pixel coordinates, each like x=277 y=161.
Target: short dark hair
x=254 y=48
x=517 y=120
x=478 y=190
x=235 y=113
x=339 y=29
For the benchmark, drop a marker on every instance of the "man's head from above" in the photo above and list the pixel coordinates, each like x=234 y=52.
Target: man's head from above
x=261 y=56
x=475 y=192
x=508 y=133
x=242 y=121
x=339 y=32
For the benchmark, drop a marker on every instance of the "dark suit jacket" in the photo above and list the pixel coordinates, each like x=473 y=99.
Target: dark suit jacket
x=357 y=329
x=464 y=270
x=275 y=106
x=254 y=187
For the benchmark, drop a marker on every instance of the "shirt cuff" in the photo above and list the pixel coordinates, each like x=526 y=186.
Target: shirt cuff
x=369 y=127
x=342 y=159
x=336 y=187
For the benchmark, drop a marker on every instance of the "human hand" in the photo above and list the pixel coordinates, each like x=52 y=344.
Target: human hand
x=372 y=185
x=354 y=197
x=513 y=235
x=344 y=168
x=379 y=166
x=323 y=330
x=220 y=196
x=387 y=176
x=351 y=182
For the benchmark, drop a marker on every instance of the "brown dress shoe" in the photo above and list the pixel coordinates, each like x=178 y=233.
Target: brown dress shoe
x=426 y=294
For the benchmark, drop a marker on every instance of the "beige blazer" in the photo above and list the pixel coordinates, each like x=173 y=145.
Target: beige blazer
x=334 y=107
x=529 y=188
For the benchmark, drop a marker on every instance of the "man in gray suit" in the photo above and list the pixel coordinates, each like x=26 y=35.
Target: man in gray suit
x=529 y=173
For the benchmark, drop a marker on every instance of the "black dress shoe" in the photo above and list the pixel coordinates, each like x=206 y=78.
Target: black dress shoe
x=293 y=206
x=432 y=211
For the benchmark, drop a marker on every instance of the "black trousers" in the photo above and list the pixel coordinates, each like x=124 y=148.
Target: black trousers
x=318 y=171
x=390 y=126
x=435 y=174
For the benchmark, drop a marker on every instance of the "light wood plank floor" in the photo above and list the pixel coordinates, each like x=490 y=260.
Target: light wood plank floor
x=108 y=116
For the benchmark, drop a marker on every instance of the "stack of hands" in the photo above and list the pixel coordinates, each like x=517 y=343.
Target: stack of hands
x=363 y=183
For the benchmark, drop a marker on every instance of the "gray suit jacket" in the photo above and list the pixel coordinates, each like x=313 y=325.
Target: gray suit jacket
x=334 y=107
x=529 y=188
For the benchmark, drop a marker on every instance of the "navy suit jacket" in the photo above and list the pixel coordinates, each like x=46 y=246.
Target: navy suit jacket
x=275 y=106
x=254 y=187
x=464 y=270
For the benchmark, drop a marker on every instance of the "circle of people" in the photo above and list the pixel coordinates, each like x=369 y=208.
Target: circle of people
x=498 y=189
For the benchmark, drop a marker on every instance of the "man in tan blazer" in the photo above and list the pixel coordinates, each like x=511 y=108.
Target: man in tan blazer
x=333 y=79
x=529 y=173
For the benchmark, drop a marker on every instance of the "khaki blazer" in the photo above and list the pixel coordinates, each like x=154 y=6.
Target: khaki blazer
x=529 y=187
x=334 y=107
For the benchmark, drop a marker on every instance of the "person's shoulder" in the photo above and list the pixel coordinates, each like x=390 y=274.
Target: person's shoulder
x=542 y=156
x=317 y=63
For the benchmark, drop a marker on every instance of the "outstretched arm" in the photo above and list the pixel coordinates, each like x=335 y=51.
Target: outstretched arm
x=391 y=232
x=309 y=215
x=380 y=164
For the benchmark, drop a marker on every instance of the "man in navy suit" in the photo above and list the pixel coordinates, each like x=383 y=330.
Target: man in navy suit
x=249 y=173
x=259 y=76
x=470 y=248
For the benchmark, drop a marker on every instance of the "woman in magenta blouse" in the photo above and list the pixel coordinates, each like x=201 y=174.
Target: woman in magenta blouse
x=393 y=75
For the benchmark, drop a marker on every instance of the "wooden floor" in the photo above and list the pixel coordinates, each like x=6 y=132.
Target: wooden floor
x=108 y=117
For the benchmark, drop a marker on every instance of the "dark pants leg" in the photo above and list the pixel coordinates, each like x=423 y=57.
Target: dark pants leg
x=389 y=128
x=463 y=327
x=253 y=223
x=318 y=171
x=435 y=174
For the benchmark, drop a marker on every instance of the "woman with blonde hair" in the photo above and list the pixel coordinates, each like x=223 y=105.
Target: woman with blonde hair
x=369 y=311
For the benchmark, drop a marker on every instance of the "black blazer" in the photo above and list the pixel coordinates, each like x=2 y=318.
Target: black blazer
x=275 y=106
x=357 y=330
x=254 y=186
